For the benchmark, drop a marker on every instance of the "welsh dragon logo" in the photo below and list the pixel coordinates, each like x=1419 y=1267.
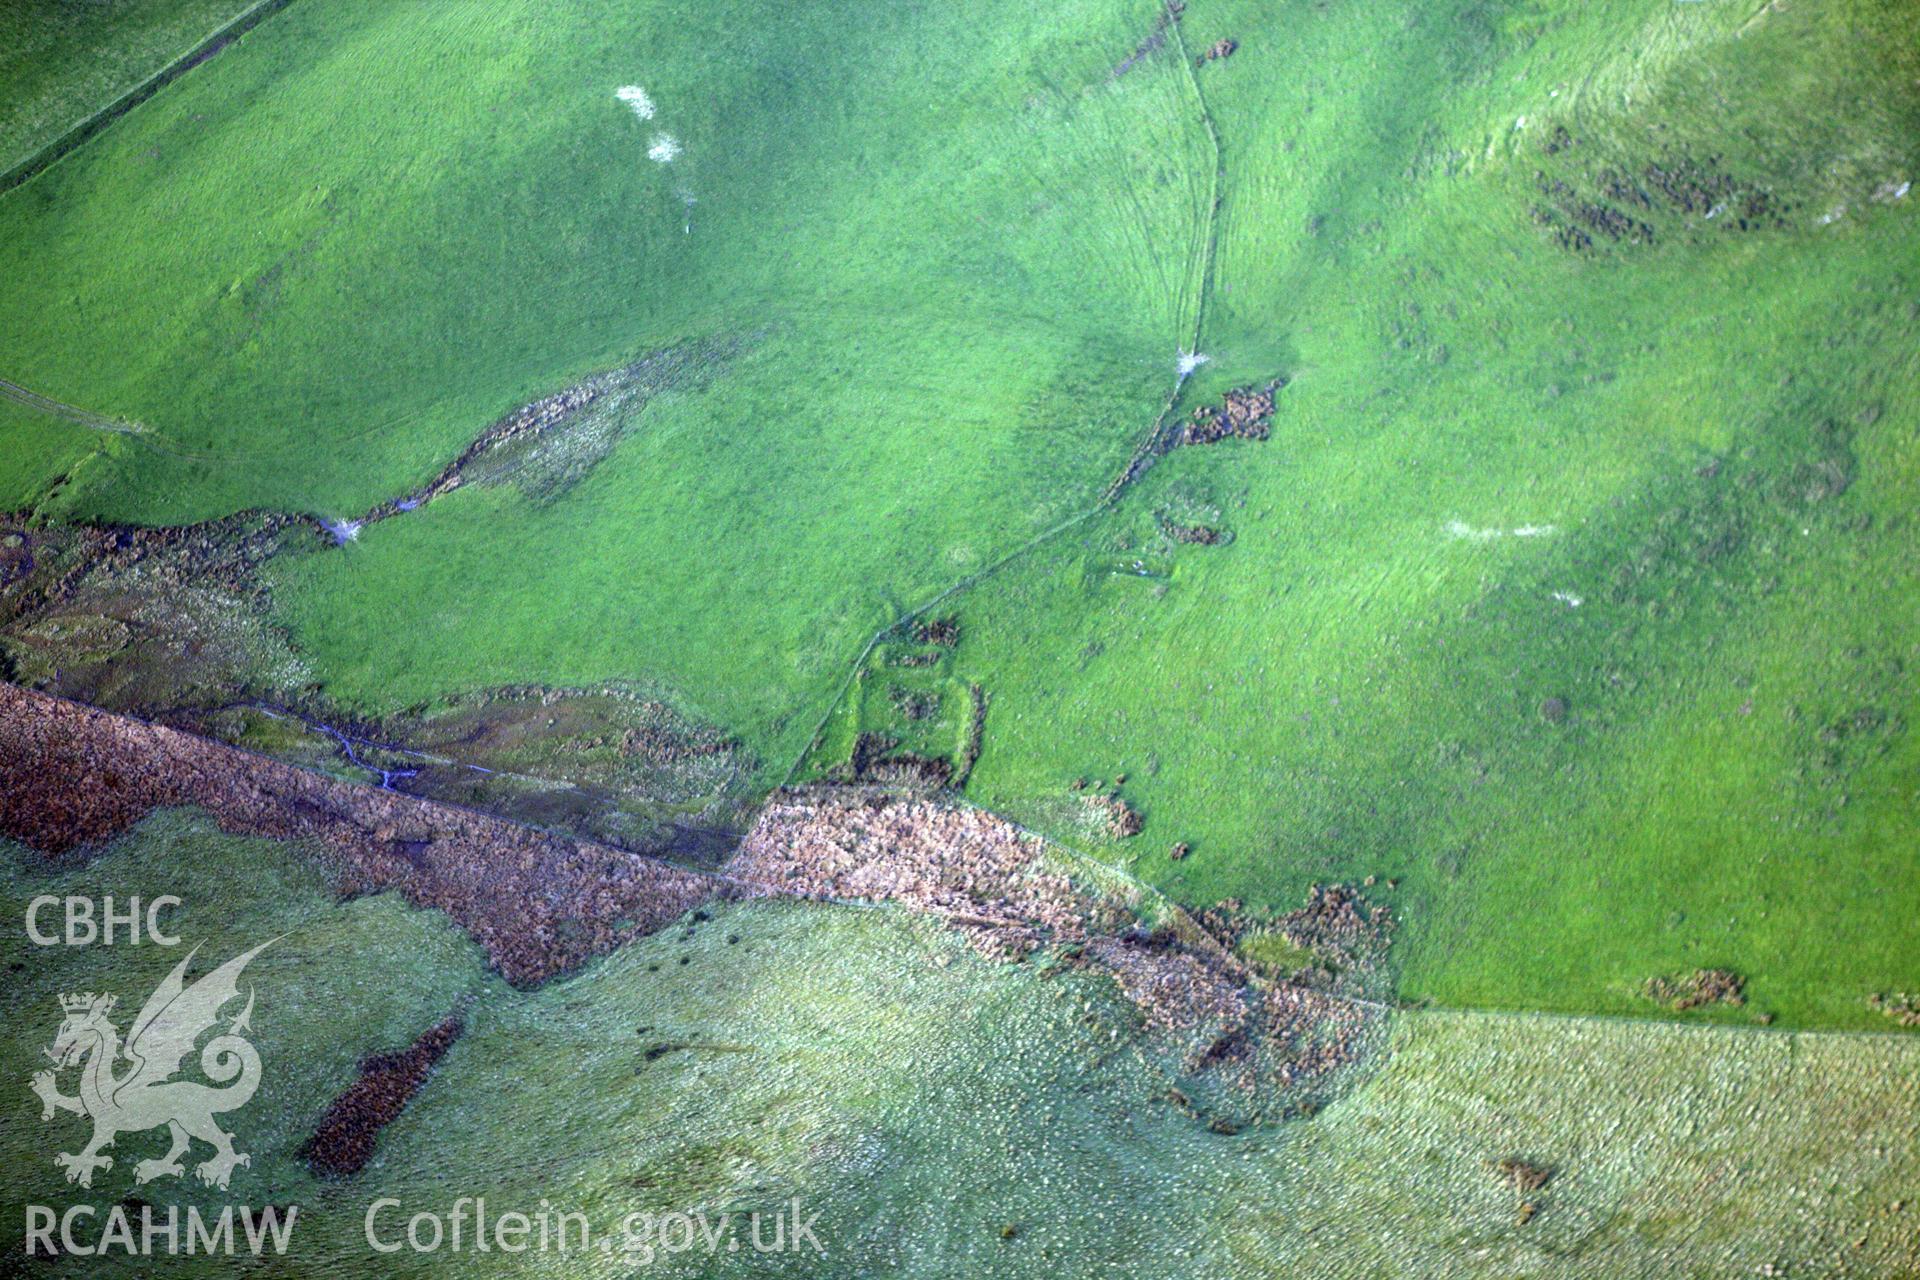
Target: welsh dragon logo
x=145 y=1095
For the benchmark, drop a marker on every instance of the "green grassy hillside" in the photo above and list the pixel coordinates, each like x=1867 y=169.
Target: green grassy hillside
x=1567 y=588
x=953 y=295
x=1570 y=591
x=62 y=61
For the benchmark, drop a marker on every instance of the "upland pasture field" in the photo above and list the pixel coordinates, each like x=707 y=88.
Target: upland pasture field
x=1451 y=465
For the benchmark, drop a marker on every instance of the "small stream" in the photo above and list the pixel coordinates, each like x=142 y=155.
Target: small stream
x=348 y=742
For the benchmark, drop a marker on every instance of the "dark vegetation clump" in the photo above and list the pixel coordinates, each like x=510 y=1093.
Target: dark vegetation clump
x=1865 y=732
x=547 y=446
x=1592 y=215
x=910 y=770
x=976 y=735
x=1903 y=1007
x=875 y=759
x=913 y=705
x=1701 y=987
x=1217 y=50
x=1121 y=819
x=868 y=750
x=1623 y=201
x=1525 y=1178
x=344 y=1140
x=942 y=633
x=1553 y=710
x=1243 y=414
x=1155 y=39
x=1203 y=535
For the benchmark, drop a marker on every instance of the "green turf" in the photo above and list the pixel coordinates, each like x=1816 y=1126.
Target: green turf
x=62 y=61
x=951 y=257
x=1720 y=429
x=953 y=293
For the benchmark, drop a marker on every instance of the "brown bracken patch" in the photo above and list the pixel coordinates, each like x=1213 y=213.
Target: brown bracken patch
x=1701 y=987
x=343 y=1141
x=72 y=777
x=1259 y=1047
x=1242 y=414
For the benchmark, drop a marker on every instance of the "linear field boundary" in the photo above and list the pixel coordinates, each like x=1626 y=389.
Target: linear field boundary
x=91 y=126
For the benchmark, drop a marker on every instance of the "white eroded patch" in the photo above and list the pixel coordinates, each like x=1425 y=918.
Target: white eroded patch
x=636 y=97
x=663 y=149
x=1461 y=529
x=1191 y=360
x=1568 y=599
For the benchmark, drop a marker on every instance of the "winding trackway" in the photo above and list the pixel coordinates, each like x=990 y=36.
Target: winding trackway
x=72 y=413
x=1143 y=453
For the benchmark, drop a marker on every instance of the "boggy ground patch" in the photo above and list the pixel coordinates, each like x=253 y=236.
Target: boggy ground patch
x=1246 y=1045
x=612 y=762
x=145 y=619
x=173 y=624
